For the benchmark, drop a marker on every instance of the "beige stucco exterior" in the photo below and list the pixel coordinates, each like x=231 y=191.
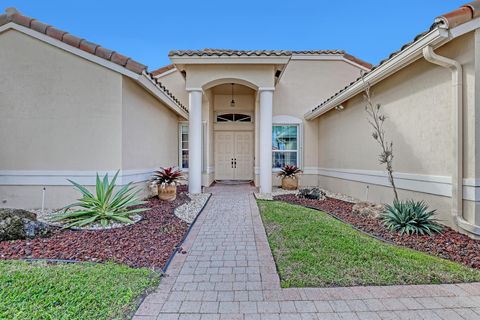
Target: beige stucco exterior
x=418 y=104
x=305 y=81
x=65 y=116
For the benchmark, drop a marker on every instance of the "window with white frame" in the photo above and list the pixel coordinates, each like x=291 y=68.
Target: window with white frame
x=184 y=144
x=285 y=145
x=183 y=163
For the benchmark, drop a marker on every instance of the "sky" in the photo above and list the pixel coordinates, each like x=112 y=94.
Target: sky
x=148 y=30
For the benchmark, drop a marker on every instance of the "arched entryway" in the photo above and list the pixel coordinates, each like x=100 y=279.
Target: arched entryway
x=234 y=134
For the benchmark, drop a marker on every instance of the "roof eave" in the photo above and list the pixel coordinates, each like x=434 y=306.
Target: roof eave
x=434 y=38
x=146 y=82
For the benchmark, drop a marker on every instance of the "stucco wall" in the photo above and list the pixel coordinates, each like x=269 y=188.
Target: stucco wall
x=303 y=85
x=175 y=83
x=208 y=75
x=417 y=103
x=58 y=112
x=149 y=130
x=48 y=99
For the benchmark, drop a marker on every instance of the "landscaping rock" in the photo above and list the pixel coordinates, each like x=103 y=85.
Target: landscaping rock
x=18 y=224
x=148 y=243
x=312 y=193
x=368 y=209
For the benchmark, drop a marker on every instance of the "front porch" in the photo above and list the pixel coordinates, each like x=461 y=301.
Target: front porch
x=230 y=119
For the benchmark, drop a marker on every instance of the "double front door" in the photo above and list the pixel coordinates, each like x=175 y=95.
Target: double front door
x=233 y=155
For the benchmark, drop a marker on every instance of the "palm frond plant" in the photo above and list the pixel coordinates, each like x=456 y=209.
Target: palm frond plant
x=104 y=206
x=167 y=176
x=166 y=180
x=410 y=217
x=289 y=173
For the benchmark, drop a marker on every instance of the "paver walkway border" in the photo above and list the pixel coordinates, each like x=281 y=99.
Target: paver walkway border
x=228 y=272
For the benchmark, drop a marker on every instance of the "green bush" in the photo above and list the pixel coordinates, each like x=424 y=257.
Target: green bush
x=410 y=217
x=105 y=206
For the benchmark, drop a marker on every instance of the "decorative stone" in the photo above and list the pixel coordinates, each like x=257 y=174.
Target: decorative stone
x=21 y=224
x=368 y=209
x=311 y=193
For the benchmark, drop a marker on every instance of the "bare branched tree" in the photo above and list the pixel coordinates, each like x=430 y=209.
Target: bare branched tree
x=376 y=119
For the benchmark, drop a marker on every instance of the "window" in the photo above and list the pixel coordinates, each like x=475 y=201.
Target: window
x=285 y=145
x=234 y=117
x=183 y=146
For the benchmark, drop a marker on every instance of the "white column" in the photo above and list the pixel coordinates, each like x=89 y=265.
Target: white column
x=266 y=102
x=195 y=141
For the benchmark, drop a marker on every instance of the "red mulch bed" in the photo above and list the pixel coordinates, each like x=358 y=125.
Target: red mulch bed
x=449 y=244
x=147 y=243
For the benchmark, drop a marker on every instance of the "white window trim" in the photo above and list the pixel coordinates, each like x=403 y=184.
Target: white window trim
x=291 y=122
x=180 y=149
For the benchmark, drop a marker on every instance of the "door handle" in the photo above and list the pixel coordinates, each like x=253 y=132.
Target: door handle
x=232 y=163
x=235 y=163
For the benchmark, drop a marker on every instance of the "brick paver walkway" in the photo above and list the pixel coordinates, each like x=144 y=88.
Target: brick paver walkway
x=228 y=272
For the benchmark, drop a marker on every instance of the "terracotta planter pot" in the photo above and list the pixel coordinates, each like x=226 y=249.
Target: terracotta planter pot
x=167 y=193
x=289 y=183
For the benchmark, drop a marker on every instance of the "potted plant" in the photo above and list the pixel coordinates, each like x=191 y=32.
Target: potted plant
x=289 y=177
x=166 y=180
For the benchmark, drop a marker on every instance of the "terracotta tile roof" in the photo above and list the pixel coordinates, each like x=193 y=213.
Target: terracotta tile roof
x=229 y=53
x=449 y=20
x=12 y=15
x=336 y=52
x=162 y=69
x=267 y=53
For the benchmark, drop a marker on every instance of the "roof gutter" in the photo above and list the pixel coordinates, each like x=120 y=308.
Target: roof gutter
x=434 y=38
x=457 y=125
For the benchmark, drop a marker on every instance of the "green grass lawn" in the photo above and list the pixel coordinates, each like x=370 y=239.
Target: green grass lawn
x=312 y=249
x=71 y=291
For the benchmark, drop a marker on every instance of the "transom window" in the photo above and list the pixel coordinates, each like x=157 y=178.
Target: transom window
x=234 y=117
x=284 y=145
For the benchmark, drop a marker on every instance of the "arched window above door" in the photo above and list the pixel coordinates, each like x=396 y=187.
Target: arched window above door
x=233 y=117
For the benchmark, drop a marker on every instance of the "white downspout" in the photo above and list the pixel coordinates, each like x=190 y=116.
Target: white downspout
x=457 y=118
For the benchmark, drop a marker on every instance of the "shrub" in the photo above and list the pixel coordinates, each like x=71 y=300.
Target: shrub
x=289 y=171
x=410 y=217
x=104 y=206
x=167 y=176
x=311 y=193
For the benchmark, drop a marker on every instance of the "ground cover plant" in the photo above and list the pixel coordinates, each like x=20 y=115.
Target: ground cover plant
x=313 y=249
x=71 y=291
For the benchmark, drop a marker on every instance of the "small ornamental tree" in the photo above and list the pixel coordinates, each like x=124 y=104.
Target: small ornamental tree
x=376 y=120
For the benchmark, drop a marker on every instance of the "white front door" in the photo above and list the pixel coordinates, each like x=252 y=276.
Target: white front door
x=233 y=155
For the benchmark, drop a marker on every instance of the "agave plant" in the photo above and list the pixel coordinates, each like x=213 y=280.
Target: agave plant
x=410 y=217
x=289 y=171
x=167 y=176
x=105 y=206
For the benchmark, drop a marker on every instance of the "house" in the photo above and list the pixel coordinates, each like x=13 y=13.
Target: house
x=70 y=108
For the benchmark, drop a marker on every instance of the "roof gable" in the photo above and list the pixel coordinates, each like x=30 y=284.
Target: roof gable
x=450 y=20
x=93 y=52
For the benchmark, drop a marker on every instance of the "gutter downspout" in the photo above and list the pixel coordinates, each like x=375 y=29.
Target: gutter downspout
x=457 y=118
